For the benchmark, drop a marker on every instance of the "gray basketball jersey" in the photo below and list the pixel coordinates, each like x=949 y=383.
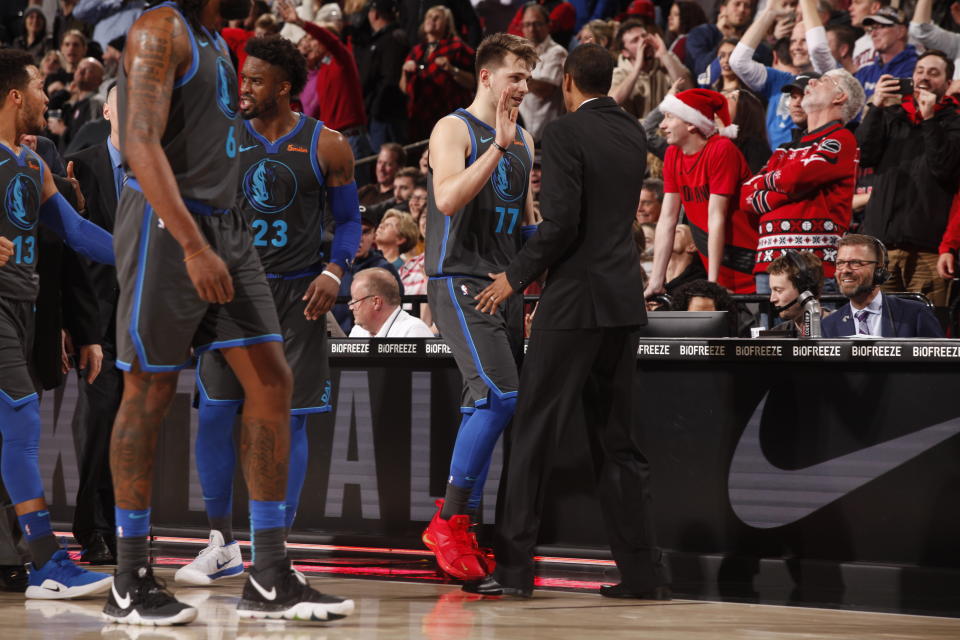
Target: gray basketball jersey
x=21 y=177
x=483 y=236
x=203 y=124
x=282 y=195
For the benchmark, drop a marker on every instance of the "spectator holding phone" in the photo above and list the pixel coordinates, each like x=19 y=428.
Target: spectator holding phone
x=913 y=144
x=887 y=29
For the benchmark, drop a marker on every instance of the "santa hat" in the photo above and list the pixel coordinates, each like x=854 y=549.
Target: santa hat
x=701 y=107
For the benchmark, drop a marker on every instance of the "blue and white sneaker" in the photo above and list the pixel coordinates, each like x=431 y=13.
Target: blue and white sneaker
x=214 y=562
x=60 y=579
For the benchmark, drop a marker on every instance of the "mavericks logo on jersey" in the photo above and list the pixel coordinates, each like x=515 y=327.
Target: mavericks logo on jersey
x=22 y=201
x=509 y=179
x=270 y=186
x=227 y=91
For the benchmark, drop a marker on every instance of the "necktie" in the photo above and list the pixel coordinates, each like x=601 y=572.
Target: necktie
x=119 y=179
x=861 y=317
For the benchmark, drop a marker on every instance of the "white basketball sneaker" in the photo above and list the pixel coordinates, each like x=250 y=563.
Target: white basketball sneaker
x=214 y=562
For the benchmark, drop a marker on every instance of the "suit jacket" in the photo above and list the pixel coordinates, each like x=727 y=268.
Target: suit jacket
x=594 y=160
x=93 y=170
x=899 y=319
x=66 y=299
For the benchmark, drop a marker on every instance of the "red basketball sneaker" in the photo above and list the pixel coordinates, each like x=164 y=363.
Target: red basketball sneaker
x=454 y=546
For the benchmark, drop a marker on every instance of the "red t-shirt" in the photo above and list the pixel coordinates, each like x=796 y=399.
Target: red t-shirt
x=719 y=168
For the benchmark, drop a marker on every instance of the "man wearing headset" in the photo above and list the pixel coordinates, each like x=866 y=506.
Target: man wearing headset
x=861 y=269
x=790 y=275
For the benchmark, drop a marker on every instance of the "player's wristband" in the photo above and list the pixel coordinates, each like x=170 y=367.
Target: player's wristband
x=331 y=275
x=499 y=148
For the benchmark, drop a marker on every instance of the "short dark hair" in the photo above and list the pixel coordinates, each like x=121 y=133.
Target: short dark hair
x=655 y=186
x=494 y=49
x=409 y=172
x=943 y=56
x=790 y=268
x=782 y=48
x=845 y=35
x=863 y=240
x=591 y=67
x=703 y=289
x=283 y=54
x=626 y=26
x=13 y=71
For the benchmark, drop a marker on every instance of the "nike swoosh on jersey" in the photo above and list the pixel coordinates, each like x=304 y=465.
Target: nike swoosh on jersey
x=204 y=43
x=253 y=146
x=485 y=140
x=765 y=496
x=123 y=603
x=269 y=595
x=4 y=162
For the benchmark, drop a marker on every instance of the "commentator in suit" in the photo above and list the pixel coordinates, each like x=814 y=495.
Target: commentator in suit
x=861 y=269
x=584 y=338
x=99 y=170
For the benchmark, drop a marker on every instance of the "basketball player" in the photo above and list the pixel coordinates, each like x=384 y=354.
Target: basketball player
x=189 y=277
x=29 y=195
x=479 y=205
x=289 y=164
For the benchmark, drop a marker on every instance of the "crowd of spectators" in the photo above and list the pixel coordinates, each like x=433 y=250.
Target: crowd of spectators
x=837 y=116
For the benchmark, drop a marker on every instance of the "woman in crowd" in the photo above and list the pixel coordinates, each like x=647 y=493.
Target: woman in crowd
x=747 y=112
x=414 y=275
x=34 y=39
x=597 y=32
x=683 y=17
x=438 y=74
x=396 y=234
x=728 y=80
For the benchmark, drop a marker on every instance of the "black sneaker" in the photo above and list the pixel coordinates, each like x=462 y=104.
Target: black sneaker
x=145 y=601
x=280 y=592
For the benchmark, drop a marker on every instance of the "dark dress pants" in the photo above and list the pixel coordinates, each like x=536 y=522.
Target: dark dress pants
x=93 y=423
x=564 y=370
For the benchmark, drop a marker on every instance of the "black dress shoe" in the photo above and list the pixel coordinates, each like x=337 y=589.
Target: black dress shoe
x=490 y=587
x=96 y=551
x=13 y=578
x=619 y=591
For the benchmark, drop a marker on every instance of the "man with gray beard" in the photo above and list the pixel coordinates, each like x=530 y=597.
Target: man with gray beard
x=803 y=194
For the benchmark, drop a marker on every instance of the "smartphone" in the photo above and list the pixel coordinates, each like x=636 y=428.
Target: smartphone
x=906 y=86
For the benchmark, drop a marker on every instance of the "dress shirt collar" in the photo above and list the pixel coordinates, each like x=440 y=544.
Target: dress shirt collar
x=115 y=158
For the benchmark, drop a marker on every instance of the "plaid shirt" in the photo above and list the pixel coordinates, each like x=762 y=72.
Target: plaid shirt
x=433 y=93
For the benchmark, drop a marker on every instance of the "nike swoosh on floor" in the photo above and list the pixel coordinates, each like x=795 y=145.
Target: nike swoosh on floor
x=765 y=496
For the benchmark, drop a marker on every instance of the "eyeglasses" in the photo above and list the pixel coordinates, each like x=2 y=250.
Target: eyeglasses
x=836 y=84
x=354 y=303
x=855 y=265
x=873 y=27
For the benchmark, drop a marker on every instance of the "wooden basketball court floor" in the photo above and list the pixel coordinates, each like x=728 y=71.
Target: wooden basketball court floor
x=398 y=610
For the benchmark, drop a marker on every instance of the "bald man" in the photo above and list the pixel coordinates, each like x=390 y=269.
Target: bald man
x=375 y=303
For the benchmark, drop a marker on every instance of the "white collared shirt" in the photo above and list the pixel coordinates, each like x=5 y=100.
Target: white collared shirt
x=537 y=112
x=400 y=324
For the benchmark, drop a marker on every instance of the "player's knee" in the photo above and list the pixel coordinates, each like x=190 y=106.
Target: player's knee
x=503 y=406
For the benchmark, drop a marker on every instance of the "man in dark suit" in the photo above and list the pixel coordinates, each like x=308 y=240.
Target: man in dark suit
x=585 y=334
x=861 y=270
x=99 y=171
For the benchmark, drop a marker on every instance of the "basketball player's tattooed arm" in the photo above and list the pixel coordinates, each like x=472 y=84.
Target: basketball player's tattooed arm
x=336 y=163
x=454 y=183
x=158 y=51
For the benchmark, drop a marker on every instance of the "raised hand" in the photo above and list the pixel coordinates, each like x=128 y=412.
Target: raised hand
x=288 y=13
x=81 y=201
x=506 y=118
